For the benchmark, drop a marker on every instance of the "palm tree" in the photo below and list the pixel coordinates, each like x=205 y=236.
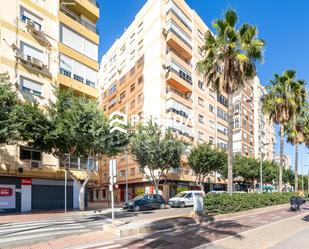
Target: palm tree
x=229 y=61
x=284 y=101
x=296 y=131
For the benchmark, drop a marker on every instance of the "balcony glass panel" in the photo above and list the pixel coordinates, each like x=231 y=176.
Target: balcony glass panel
x=171 y=6
x=174 y=28
x=182 y=73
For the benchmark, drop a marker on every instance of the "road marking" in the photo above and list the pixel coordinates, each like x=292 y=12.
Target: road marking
x=244 y=232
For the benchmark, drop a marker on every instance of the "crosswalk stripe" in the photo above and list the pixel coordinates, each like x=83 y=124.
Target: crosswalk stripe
x=29 y=231
x=88 y=246
x=40 y=235
x=112 y=246
x=35 y=222
x=36 y=225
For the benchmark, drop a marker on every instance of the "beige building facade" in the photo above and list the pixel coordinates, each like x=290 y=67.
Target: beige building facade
x=46 y=43
x=150 y=72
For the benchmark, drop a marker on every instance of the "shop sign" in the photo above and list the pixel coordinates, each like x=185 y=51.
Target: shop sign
x=6 y=192
x=26 y=181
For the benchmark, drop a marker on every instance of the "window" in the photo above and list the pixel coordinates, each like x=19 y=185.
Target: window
x=132 y=38
x=132 y=87
x=222 y=129
x=200 y=51
x=201 y=136
x=132 y=171
x=79 y=43
x=132 y=54
x=122 y=95
x=140 y=27
x=123 y=49
x=140 y=45
x=132 y=71
x=26 y=16
x=123 y=110
x=112 y=102
x=201 y=118
x=236 y=108
x=236 y=123
x=28 y=154
x=221 y=143
x=112 y=89
x=122 y=173
x=212 y=124
x=31 y=86
x=141 y=80
x=221 y=114
x=104 y=193
x=221 y=99
x=112 y=60
x=201 y=85
x=78 y=71
x=211 y=139
x=132 y=104
x=211 y=93
x=122 y=80
x=31 y=52
x=200 y=101
x=140 y=98
x=140 y=61
x=211 y=108
x=200 y=34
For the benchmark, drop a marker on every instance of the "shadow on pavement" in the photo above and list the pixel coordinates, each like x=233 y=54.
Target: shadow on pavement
x=306 y=218
x=126 y=214
x=188 y=233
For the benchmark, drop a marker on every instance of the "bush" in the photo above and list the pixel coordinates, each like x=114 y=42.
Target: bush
x=224 y=203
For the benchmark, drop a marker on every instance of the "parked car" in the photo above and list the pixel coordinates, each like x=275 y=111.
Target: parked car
x=185 y=198
x=144 y=202
x=218 y=192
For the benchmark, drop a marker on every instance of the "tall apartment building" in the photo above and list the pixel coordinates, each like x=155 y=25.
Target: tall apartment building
x=45 y=43
x=150 y=71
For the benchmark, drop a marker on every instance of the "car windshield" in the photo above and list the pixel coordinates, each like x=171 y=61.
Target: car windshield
x=139 y=197
x=181 y=195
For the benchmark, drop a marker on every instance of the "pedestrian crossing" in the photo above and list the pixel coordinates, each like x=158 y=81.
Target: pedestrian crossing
x=30 y=232
x=101 y=245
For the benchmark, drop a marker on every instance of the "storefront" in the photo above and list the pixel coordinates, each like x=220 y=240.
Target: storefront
x=23 y=194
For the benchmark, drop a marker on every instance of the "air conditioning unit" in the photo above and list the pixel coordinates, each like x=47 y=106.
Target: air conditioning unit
x=32 y=27
x=21 y=56
x=37 y=63
x=35 y=164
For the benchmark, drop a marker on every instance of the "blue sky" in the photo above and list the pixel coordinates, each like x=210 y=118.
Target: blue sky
x=283 y=24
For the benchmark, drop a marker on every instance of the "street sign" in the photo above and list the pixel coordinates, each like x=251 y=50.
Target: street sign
x=112 y=171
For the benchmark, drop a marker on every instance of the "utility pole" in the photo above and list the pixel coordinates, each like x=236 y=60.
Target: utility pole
x=127 y=189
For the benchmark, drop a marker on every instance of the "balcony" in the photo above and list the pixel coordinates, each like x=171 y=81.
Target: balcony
x=179 y=79
x=176 y=42
x=88 y=8
x=172 y=93
x=173 y=55
x=78 y=19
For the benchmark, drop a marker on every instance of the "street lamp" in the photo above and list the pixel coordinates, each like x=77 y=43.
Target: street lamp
x=261 y=165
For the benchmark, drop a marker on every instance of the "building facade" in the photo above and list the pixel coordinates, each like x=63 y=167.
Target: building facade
x=45 y=44
x=286 y=161
x=150 y=71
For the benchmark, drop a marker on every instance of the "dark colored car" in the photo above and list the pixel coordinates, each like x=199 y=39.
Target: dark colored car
x=144 y=202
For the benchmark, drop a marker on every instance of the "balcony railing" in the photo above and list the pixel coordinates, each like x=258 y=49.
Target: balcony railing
x=173 y=90
x=76 y=18
x=168 y=50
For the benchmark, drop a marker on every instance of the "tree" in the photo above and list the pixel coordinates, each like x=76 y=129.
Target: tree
x=296 y=130
x=229 y=61
x=205 y=159
x=246 y=167
x=155 y=152
x=74 y=126
x=8 y=103
x=285 y=99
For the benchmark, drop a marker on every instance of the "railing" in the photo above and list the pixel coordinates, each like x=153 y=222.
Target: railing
x=168 y=50
x=78 y=19
x=180 y=37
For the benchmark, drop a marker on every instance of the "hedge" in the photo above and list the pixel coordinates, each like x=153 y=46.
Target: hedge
x=224 y=203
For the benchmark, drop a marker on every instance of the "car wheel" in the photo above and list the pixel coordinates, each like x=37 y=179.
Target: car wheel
x=182 y=205
x=137 y=208
x=162 y=206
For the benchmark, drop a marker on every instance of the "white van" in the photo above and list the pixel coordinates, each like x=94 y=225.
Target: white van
x=185 y=198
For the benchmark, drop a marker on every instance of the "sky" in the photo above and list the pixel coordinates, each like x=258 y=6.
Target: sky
x=283 y=24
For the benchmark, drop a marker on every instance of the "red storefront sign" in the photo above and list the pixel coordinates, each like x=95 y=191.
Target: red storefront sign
x=26 y=181
x=6 y=192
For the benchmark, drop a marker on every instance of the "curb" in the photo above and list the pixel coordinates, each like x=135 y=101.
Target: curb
x=122 y=229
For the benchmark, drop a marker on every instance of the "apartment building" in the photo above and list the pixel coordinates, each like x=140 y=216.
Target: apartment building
x=45 y=44
x=150 y=71
x=286 y=161
x=265 y=135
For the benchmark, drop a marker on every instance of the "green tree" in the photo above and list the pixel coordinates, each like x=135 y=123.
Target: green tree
x=229 y=61
x=74 y=126
x=246 y=167
x=270 y=171
x=205 y=159
x=296 y=130
x=155 y=152
x=8 y=103
x=285 y=99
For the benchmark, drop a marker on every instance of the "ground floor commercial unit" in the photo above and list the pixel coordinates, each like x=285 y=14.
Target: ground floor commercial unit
x=25 y=194
x=167 y=188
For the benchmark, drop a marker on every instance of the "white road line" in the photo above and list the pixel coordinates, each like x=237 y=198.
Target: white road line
x=112 y=246
x=35 y=222
x=92 y=245
x=35 y=236
x=248 y=231
x=18 y=233
x=37 y=227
